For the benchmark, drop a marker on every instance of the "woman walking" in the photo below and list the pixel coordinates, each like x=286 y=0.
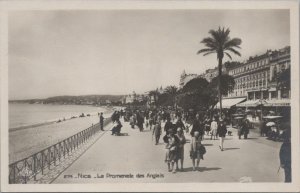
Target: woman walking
x=213 y=129
x=180 y=151
x=222 y=130
x=195 y=152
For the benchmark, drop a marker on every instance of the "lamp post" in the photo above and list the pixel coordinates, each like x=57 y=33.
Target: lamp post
x=261 y=100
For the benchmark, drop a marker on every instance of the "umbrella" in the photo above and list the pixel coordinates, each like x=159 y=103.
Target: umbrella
x=269 y=124
x=238 y=117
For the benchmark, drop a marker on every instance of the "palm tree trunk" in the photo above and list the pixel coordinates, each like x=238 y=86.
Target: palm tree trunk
x=219 y=86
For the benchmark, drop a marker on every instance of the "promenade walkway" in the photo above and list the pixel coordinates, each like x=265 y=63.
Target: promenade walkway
x=134 y=153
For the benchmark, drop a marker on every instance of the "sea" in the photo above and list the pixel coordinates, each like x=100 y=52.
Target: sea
x=25 y=115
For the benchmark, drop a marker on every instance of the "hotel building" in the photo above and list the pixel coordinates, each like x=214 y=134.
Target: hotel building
x=256 y=79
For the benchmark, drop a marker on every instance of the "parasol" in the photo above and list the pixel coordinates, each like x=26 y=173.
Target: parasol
x=270 y=124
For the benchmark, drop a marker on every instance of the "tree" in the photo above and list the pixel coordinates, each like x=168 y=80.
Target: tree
x=284 y=79
x=220 y=43
x=195 y=85
x=154 y=94
x=171 y=92
x=227 y=84
x=196 y=94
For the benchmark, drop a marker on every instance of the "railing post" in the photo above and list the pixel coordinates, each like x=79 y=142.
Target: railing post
x=25 y=168
x=54 y=155
x=14 y=173
x=49 y=158
x=64 y=147
x=42 y=167
x=59 y=151
x=34 y=167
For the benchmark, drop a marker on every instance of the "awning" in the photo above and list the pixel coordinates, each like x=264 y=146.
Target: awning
x=278 y=103
x=227 y=103
x=250 y=103
x=266 y=103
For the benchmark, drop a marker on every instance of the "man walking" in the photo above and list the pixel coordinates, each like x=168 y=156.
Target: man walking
x=157 y=131
x=101 y=121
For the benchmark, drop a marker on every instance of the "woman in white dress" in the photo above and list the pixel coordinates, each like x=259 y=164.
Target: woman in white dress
x=214 y=129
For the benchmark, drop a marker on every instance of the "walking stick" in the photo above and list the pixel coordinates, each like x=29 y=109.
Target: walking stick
x=278 y=170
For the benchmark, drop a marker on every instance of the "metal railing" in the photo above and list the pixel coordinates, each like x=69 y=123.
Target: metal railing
x=36 y=165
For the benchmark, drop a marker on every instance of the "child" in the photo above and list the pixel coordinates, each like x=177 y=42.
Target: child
x=172 y=143
x=157 y=131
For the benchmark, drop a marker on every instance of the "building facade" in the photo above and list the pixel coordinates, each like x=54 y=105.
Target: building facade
x=185 y=78
x=257 y=77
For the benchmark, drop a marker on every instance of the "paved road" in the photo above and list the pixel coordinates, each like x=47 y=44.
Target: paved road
x=252 y=160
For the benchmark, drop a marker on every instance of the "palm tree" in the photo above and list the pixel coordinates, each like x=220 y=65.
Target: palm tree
x=220 y=43
x=172 y=92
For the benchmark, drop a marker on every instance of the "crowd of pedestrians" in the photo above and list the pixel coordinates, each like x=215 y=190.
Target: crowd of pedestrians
x=174 y=125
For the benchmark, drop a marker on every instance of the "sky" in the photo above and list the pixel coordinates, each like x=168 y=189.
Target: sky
x=82 y=52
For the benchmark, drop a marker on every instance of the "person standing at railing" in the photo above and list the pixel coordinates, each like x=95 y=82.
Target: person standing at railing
x=101 y=121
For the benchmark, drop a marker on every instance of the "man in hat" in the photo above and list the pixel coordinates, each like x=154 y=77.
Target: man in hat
x=285 y=155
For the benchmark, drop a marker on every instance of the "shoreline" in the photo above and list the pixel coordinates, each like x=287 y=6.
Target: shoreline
x=108 y=110
x=25 y=142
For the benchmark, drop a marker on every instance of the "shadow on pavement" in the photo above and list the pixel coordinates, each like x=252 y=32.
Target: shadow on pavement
x=123 y=134
x=201 y=169
x=231 y=148
x=146 y=130
x=209 y=144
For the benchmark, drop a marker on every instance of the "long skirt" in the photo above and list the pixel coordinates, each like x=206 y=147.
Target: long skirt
x=180 y=153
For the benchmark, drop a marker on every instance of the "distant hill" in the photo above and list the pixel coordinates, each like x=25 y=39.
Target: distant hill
x=78 y=100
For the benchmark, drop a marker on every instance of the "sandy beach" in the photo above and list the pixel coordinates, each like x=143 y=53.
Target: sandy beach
x=25 y=142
